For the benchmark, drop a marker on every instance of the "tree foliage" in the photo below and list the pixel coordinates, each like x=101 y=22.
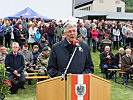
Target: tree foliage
x=129 y=5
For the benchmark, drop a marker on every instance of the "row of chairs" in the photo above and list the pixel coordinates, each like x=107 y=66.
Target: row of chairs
x=125 y=77
x=34 y=76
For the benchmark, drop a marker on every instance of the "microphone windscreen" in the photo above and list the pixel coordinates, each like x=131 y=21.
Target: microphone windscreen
x=75 y=41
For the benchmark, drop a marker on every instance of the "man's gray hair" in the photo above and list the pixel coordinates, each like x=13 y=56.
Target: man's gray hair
x=121 y=49
x=107 y=47
x=69 y=24
x=15 y=43
x=128 y=50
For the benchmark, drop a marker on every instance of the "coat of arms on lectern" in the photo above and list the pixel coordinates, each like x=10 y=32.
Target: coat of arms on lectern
x=80 y=89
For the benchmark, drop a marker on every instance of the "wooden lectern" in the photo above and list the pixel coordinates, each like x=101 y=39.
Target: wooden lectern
x=76 y=87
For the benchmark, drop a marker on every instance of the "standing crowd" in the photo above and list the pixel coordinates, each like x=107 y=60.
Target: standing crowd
x=35 y=33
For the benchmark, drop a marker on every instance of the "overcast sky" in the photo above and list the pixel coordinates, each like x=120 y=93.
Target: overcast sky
x=49 y=8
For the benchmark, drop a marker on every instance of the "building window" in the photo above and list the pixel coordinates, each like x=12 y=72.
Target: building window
x=117 y=2
x=89 y=8
x=118 y=9
x=86 y=8
x=100 y=1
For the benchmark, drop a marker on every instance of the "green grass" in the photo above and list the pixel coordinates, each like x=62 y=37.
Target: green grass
x=118 y=91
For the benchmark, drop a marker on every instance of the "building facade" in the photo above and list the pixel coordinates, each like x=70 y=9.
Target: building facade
x=100 y=5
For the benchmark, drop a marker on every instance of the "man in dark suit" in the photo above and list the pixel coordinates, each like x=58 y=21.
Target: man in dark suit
x=14 y=63
x=119 y=56
x=127 y=62
x=62 y=52
x=107 y=60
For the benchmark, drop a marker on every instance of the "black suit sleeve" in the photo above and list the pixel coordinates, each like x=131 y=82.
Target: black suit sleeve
x=20 y=69
x=89 y=67
x=52 y=66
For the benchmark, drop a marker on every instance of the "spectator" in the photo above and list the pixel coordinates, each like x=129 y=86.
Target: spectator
x=35 y=55
x=14 y=21
x=100 y=35
x=28 y=58
x=54 y=23
x=106 y=30
x=32 y=31
x=128 y=39
x=109 y=24
x=2 y=54
x=107 y=60
x=37 y=37
x=94 y=34
x=21 y=17
x=43 y=61
x=105 y=42
x=14 y=63
x=26 y=28
x=127 y=62
x=116 y=37
x=89 y=35
x=120 y=29
x=79 y=37
x=83 y=32
x=51 y=35
x=29 y=22
x=1 y=32
x=43 y=43
x=16 y=27
x=131 y=37
x=8 y=31
x=21 y=36
x=124 y=30
x=42 y=28
x=119 y=56
x=58 y=32
x=78 y=26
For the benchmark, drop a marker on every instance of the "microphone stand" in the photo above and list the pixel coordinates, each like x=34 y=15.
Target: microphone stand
x=69 y=63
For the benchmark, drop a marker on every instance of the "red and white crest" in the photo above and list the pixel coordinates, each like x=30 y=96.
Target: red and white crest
x=80 y=87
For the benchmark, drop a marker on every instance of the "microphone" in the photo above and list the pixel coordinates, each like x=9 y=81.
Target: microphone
x=76 y=43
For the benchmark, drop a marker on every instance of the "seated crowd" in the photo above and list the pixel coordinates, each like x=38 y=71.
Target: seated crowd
x=19 y=63
x=121 y=60
x=36 y=35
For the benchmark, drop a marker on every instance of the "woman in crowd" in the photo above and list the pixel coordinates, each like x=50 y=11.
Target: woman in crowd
x=32 y=31
x=116 y=36
x=100 y=35
x=128 y=40
x=94 y=34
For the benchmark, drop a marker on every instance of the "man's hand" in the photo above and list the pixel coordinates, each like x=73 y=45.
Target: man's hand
x=108 y=57
x=15 y=72
x=27 y=67
x=18 y=75
x=132 y=66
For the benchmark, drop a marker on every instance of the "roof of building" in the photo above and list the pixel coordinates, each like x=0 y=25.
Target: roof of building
x=82 y=2
x=79 y=3
x=109 y=15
